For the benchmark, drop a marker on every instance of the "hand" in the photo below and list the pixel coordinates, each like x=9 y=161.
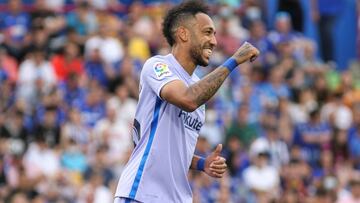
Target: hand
x=246 y=52
x=215 y=165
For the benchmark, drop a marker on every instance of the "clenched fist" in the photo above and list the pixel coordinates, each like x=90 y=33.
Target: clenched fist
x=246 y=52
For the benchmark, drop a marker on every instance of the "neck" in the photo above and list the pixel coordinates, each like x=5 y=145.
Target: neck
x=184 y=58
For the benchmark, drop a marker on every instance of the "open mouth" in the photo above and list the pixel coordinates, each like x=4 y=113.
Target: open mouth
x=207 y=52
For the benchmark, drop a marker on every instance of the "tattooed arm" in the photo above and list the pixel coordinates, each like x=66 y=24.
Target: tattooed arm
x=190 y=98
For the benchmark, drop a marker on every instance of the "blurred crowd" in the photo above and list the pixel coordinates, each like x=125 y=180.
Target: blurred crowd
x=69 y=72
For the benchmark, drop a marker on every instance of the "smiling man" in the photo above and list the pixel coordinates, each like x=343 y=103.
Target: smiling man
x=171 y=112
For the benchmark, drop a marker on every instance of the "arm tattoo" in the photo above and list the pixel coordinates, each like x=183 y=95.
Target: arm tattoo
x=242 y=53
x=203 y=90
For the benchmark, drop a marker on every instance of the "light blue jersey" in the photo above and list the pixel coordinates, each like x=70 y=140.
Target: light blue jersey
x=165 y=136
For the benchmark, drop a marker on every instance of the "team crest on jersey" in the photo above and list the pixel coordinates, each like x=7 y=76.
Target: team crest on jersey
x=161 y=70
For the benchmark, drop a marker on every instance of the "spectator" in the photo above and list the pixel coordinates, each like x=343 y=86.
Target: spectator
x=48 y=128
x=314 y=136
x=74 y=130
x=240 y=128
x=262 y=179
x=111 y=49
x=4 y=183
x=271 y=143
x=8 y=67
x=258 y=37
x=324 y=13
x=39 y=38
x=294 y=8
x=251 y=10
x=72 y=91
x=36 y=77
x=15 y=133
x=96 y=69
x=125 y=105
x=138 y=47
x=354 y=138
x=340 y=146
x=310 y=63
x=18 y=197
x=100 y=164
x=304 y=103
x=275 y=88
x=73 y=159
x=67 y=63
x=92 y=108
x=354 y=196
x=227 y=42
x=283 y=29
x=95 y=191
x=295 y=178
x=249 y=93
x=237 y=158
x=15 y=24
x=41 y=162
x=211 y=130
x=323 y=174
x=206 y=188
x=336 y=113
x=83 y=20
x=322 y=195
x=110 y=129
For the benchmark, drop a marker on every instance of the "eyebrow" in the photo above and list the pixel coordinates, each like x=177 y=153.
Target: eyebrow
x=209 y=28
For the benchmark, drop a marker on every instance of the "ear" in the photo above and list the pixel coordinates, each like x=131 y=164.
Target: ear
x=183 y=34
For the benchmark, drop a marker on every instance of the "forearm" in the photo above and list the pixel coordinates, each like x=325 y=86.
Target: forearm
x=203 y=90
x=190 y=98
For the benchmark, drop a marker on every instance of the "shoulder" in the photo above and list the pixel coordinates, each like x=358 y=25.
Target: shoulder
x=156 y=59
x=158 y=65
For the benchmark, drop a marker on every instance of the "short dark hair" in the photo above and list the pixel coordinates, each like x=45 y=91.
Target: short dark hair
x=178 y=14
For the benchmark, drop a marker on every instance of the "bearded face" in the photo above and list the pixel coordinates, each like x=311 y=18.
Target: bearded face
x=202 y=40
x=200 y=53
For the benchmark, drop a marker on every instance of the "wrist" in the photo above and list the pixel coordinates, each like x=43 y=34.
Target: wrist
x=230 y=64
x=200 y=165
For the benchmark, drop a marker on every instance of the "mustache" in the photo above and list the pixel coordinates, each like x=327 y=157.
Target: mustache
x=208 y=46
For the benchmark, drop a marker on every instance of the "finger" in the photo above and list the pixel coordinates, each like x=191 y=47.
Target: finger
x=217 y=175
x=222 y=165
x=219 y=171
x=218 y=166
x=218 y=149
x=219 y=160
x=253 y=58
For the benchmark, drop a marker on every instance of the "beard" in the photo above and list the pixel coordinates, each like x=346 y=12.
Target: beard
x=196 y=52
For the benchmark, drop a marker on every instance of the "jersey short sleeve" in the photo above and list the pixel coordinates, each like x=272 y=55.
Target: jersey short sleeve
x=157 y=73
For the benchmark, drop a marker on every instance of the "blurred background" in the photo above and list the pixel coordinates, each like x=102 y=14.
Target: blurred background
x=289 y=122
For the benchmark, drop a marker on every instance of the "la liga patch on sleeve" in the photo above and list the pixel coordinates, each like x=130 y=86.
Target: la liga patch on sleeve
x=161 y=70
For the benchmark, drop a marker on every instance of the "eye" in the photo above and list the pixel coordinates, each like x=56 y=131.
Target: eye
x=208 y=32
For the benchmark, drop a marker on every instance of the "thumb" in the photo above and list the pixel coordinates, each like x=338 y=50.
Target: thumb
x=217 y=150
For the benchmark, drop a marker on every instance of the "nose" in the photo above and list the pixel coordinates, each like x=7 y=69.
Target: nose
x=213 y=41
